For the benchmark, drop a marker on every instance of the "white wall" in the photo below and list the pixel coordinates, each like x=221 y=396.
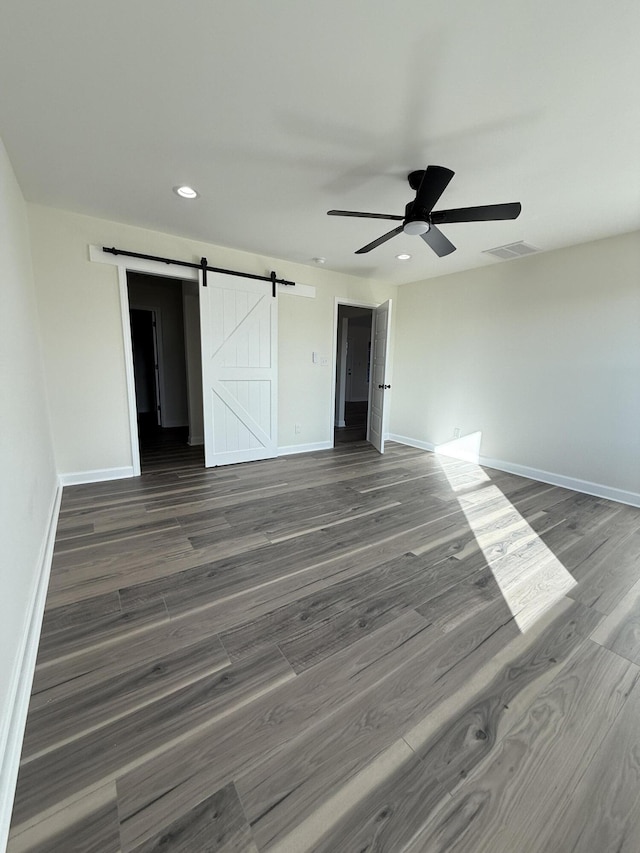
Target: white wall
x=82 y=336
x=541 y=355
x=28 y=490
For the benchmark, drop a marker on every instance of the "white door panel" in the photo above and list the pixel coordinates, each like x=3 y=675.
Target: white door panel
x=379 y=351
x=238 y=319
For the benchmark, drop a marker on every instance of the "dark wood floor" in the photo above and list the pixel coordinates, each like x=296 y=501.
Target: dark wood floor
x=337 y=652
x=163 y=448
x=355 y=418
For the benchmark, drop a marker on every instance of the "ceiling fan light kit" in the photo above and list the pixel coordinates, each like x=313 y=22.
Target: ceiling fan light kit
x=421 y=219
x=415 y=226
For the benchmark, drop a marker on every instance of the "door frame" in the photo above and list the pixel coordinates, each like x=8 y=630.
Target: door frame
x=353 y=303
x=151 y=268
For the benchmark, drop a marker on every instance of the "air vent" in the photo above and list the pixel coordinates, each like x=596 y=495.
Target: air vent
x=512 y=250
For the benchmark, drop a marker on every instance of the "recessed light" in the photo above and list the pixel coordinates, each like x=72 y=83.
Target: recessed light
x=403 y=257
x=319 y=260
x=185 y=192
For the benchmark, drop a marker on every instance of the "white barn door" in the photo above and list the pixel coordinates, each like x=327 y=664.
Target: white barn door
x=239 y=328
x=379 y=386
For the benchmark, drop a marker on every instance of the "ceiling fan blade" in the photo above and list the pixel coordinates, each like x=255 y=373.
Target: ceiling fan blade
x=433 y=184
x=365 y=215
x=379 y=241
x=484 y=213
x=435 y=239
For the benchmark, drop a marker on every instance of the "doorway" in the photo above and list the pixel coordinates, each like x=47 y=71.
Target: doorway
x=146 y=367
x=353 y=373
x=165 y=342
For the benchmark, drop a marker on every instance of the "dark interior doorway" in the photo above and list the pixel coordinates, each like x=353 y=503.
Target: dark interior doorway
x=163 y=347
x=353 y=368
x=145 y=369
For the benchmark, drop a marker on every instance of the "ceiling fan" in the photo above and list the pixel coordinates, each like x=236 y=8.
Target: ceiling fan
x=420 y=217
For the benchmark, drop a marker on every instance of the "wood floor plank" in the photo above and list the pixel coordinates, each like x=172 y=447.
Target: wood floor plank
x=405 y=672
x=380 y=603
x=125 y=531
x=109 y=574
x=162 y=788
x=80 y=710
x=620 y=630
x=102 y=661
x=103 y=628
x=340 y=631
x=69 y=528
x=274 y=513
x=389 y=816
x=472 y=733
x=202 y=522
x=169 y=536
x=280 y=791
x=229 y=576
x=605 y=580
x=80 y=612
x=89 y=825
x=516 y=798
x=600 y=811
x=283 y=623
x=99 y=755
x=217 y=825
x=459 y=601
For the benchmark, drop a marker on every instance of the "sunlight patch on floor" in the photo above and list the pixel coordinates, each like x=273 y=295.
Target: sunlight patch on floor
x=529 y=575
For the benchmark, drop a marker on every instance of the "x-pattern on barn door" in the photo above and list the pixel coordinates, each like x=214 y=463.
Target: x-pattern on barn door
x=238 y=322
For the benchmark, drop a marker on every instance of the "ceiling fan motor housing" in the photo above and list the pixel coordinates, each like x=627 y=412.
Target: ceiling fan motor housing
x=416 y=219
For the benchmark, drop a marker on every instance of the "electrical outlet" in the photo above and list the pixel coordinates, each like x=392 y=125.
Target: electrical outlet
x=297 y=428
x=456 y=432
x=324 y=361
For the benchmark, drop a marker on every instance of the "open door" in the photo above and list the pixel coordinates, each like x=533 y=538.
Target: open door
x=238 y=322
x=379 y=388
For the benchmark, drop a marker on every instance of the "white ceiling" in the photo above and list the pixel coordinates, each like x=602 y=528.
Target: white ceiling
x=278 y=110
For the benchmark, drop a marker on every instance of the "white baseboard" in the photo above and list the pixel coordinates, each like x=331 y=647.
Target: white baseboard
x=585 y=486
x=305 y=448
x=18 y=699
x=411 y=442
x=195 y=440
x=341 y=424
x=598 y=490
x=77 y=478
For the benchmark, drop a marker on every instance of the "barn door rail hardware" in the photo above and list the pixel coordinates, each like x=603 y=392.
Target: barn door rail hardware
x=204 y=266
